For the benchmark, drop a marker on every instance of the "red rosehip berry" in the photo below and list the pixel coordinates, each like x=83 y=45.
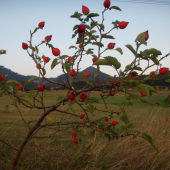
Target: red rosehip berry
x=19 y=87
x=130 y=75
x=101 y=129
x=85 y=10
x=111 y=45
x=81 y=28
x=163 y=70
x=41 y=24
x=81 y=116
x=108 y=125
x=74 y=134
x=56 y=51
x=106 y=120
x=75 y=141
x=106 y=3
x=70 y=59
x=112 y=93
x=114 y=122
x=143 y=94
x=48 y=38
x=94 y=59
x=80 y=45
x=46 y=59
x=113 y=80
x=83 y=95
x=123 y=24
x=86 y=74
x=24 y=46
x=38 y=66
x=1 y=77
x=41 y=87
x=73 y=72
x=147 y=35
x=152 y=73
x=71 y=95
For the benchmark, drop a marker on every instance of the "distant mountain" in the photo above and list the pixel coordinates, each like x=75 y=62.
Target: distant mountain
x=60 y=79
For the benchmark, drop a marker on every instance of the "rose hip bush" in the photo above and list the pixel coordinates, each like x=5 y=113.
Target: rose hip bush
x=87 y=33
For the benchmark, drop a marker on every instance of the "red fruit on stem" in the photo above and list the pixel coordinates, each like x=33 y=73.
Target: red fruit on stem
x=74 y=134
x=83 y=95
x=81 y=116
x=112 y=93
x=143 y=94
x=41 y=87
x=73 y=72
x=24 y=46
x=70 y=59
x=94 y=59
x=1 y=77
x=106 y=120
x=80 y=45
x=114 y=122
x=71 y=95
x=86 y=74
x=147 y=35
x=75 y=141
x=101 y=129
x=81 y=28
x=152 y=73
x=163 y=70
x=38 y=66
x=56 y=51
x=111 y=45
x=123 y=24
x=130 y=75
x=48 y=38
x=85 y=10
x=106 y=3
x=113 y=80
x=19 y=87
x=108 y=125
x=41 y=24
x=46 y=59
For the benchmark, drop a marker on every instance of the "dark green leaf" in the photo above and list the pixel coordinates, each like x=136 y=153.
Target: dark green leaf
x=12 y=81
x=93 y=15
x=131 y=125
x=98 y=43
x=67 y=67
x=141 y=38
x=72 y=46
x=80 y=40
x=54 y=63
x=107 y=36
x=113 y=61
x=133 y=96
x=102 y=62
x=115 y=7
x=131 y=49
x=32 y=79
x=119 y=50
x=2 y=51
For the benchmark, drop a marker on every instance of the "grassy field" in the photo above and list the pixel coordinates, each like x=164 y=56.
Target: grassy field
x=95 y=151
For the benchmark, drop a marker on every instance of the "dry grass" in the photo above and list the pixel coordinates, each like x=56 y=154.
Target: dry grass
x=95 y=152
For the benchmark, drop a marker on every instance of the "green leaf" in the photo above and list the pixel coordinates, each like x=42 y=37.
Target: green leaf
x=113 y=61
x=102 y=62
x=131 y=125
x=137 y=68
x=119 y=50
x=153 y=51
x=155 y=60
x=98 y=43
x=80 y=40
x=72 y=46
x=44 y=72
x=92 y=99
x=93 y=15
x=67 y=67
x=35 y=30
x=168 y=81
x=95 y=75
x=141 y=38
x=129 y=103
x=131 y=49
x=115 y=7
x=133 y=96
x=76 y=15
x=90 y=83
x=11 y=89
x=12 y=81
x=2 y=51
x=87 y=26
x=59 y=98
x=107 y=36
x=150 y=140
x=89 y=51
x=124 y=118
x=151 y=89
x=63 y=56
x=54 y=63
x=32 y=79
x=75 y=27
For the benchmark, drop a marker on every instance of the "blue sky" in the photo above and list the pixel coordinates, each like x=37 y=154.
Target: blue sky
x=19 y=17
